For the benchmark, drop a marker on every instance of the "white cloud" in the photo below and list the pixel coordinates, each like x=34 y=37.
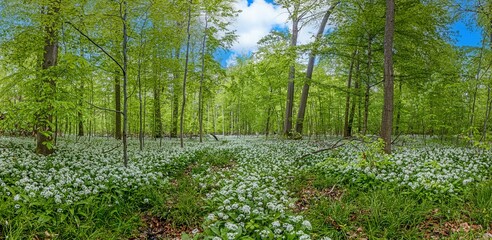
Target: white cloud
x=254 y=22
x=257 y=20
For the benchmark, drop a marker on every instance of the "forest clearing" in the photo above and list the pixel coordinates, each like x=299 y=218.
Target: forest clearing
x=245 y=119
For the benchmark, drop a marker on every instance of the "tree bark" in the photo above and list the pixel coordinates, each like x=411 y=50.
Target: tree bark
x=346 y=132
x=44 y=132
x=368 y=85
x=125 y=82
x=80 y=116
x=200 y=93
x=356 y=91
x=185 y=75
x=117 y=101
x=290 y=86
x=387 y=119
x=309 y=73
x=157 y=111
x=175 y=102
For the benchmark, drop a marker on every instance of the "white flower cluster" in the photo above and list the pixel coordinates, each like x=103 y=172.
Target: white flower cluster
x=435 y=169
x=251 y=199
x=79 y=170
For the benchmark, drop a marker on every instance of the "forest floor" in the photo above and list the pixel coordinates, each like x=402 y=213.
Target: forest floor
x=245 y=188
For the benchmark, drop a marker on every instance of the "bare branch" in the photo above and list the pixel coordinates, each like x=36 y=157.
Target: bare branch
x=104 y=109
x=98 y=46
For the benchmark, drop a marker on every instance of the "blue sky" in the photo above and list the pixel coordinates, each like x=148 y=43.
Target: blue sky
x=467 y=36
x=259 y=17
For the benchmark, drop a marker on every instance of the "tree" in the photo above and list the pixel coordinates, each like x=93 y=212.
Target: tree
x=387 y=119
x=44 y=141
x=185 y=72
x=310 y=67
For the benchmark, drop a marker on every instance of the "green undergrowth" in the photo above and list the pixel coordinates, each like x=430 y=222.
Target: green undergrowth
x=115 y=213
x=347 y=211
x=181 y=204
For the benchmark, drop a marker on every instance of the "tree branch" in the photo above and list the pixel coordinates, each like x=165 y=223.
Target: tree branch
x=104 y=109
x=335 y=145
x=98 y=46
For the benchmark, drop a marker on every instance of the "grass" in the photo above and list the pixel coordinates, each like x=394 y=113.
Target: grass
x=383 y=213
x=116 y=214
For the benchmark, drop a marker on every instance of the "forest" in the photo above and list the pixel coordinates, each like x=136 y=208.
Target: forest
x=245 y=119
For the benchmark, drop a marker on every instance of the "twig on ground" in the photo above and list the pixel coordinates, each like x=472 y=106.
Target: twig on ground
x=335 y=145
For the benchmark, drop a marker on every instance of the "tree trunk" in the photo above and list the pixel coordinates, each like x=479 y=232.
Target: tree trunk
x=310 y=68
x=157 y=111
x=139 y=82
x=125 y=83
x=200 y=93
x=356 y=91
x=475 y=92
x=290 y=87
x=175 y=103
x=185 y=74
x=117 y=101
x=346 y=132
x=398 y=110
x=387 y=119
x=44 y=138
x=368 y=85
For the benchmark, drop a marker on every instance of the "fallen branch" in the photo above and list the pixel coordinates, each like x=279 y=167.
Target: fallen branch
x=217 y=139
x=110 y=150
x=396 y=138
x=335 y=145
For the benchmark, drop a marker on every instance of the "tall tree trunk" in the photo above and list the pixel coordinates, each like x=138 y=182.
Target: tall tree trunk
x=123 y=13
x=487 y=113
x=80 y=116
x=175 y=102
x=346 y=132
x=44 y=138
x=157 y=110
x=310 y=68
x=352 y=108
x=117 y=101
x=398 y=110
x=475 y=92
x=290 y=86
x=185 y=74
x=387 y=119
x=269 y=113
x=200 y=93
x=368 y=85
x=139 y=82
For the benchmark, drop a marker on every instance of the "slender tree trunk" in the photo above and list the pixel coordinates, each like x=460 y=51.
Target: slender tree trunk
x=488 y=108
x=44 y=132
x=157 y=111
x=269 y=112
x=117 y=101
x=356 y=91
x=200 y=93
x=475 y=92
x=398 y=110
x=185 y=74
x=387 y=119
x=368 y=85
x=139 y=82
x=290 y=87
x=310 y=68
x=80 y=116
x=346 y=132
x=123 y=13
x=175 y=103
